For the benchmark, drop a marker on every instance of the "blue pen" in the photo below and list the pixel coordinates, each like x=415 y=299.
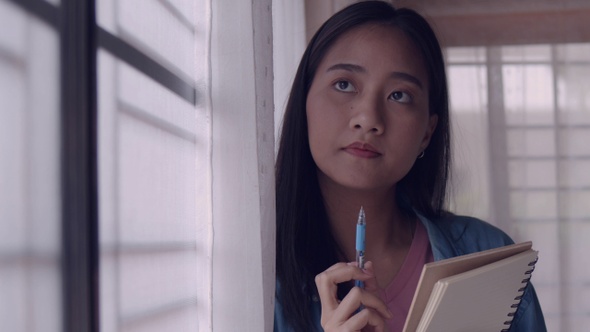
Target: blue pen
x=360 y=244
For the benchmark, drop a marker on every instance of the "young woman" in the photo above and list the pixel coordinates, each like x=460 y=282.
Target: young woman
x=367 y=124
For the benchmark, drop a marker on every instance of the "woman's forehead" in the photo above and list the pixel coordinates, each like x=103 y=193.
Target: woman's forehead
x=376 y=47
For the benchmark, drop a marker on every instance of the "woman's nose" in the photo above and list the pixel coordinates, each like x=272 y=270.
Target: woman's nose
x=367 y=116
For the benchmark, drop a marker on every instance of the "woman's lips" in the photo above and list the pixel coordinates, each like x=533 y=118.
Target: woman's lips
x=363 y=150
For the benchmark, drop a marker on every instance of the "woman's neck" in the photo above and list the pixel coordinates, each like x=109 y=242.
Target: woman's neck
x=388 y=228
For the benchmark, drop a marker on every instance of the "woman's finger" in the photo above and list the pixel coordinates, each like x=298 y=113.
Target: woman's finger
x=358 y=298
x=370 y=300
x=364 y=318
x=327 y=283
x=349 y=305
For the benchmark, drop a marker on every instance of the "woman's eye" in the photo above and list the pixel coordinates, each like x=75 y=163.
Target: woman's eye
x=344 y=86
x=401 y=97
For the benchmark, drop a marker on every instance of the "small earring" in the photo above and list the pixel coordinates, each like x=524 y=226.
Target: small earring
x=421 y=154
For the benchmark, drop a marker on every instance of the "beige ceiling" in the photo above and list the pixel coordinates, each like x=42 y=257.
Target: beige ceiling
x=486 y=22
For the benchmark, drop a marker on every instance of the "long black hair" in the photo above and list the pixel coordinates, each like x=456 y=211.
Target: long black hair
x=305 y=244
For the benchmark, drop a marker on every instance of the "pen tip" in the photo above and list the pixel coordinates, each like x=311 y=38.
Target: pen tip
x=361 y=218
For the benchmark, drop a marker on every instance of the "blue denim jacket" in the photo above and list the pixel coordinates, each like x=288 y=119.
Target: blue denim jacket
x=450 y=237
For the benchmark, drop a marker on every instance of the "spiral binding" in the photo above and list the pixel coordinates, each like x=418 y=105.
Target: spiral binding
x=521 y=291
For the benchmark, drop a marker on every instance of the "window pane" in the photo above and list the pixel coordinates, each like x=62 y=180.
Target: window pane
x=465 y=54
x=158 y=31
x=532 y=174
x=526 y=53
x=530 y=205
x=531 y=143
x=573 y=97
x=574 y=142
x=575 y=204
x=573 y=53
x=148 y=203
x=574 y=173
x=30 y=214
x=578 y=245
x=150 y=157
x=528 y=94
x=469 y=108
x=154 y=155
x=468 y=88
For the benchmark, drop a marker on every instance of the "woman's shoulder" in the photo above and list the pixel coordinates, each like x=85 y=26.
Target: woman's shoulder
x=466 y=234
x=461 y=226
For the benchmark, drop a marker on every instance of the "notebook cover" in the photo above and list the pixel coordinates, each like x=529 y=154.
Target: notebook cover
x=432 y=272
x=480 y=299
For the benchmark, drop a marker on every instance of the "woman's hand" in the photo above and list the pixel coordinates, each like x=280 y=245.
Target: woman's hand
x=343 y=316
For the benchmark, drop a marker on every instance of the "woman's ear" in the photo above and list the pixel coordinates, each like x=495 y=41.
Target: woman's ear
x=432 y=121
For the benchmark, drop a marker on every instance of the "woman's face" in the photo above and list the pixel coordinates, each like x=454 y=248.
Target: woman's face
x=367 y=109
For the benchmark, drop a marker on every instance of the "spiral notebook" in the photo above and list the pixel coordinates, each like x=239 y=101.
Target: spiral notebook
x=475 y=292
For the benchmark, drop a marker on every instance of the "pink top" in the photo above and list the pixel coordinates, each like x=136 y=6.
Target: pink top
x=398 y=295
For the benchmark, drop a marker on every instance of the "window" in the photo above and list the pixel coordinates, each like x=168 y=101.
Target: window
x=137 y=153
x=527 y=104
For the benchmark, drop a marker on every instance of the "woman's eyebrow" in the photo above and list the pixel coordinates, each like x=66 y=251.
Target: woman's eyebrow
x=407 y=77
x=360 y=69
x=347 y=67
